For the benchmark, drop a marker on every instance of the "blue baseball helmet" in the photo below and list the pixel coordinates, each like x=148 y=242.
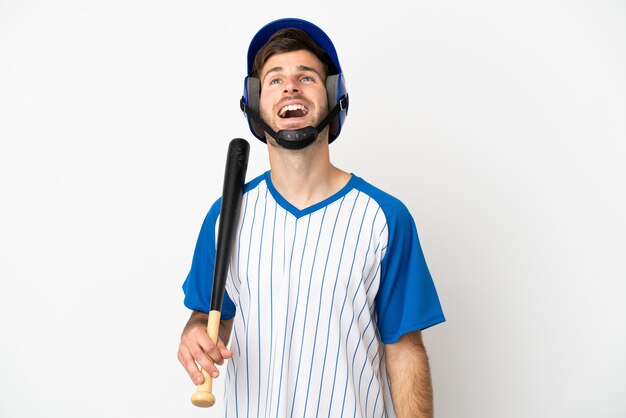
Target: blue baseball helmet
x=335 y=83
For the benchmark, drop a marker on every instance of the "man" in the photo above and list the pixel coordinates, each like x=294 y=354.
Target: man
x=328 y=290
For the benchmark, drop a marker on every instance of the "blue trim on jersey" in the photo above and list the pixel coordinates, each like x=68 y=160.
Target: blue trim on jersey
x=298 y=213
x=253 y=183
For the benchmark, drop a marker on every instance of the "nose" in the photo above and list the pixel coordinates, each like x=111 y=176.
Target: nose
x=291 y=85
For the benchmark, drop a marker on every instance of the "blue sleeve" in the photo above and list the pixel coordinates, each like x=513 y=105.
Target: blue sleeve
x=199 y=283
x=407 y=299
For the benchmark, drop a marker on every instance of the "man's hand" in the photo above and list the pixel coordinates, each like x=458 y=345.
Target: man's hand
x=196 y=348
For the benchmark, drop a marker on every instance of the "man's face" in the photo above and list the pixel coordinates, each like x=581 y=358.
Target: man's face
x=293 y=90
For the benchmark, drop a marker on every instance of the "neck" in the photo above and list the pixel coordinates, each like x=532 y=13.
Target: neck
x=305 y=177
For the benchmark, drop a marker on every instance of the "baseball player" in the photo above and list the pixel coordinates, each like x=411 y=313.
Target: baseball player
x=328 y=290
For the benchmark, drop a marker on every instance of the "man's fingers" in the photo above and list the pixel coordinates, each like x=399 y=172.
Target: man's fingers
x=200 y=346
x=197 y=351
x=186 y=359
x=213 y=352
x=205 y=362
x=190 y=359
x=225 y=352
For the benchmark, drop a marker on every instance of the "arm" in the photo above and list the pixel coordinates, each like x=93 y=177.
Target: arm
x=409 y=375
x=196 y=348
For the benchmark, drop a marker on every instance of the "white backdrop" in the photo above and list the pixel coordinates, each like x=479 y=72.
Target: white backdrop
x=501 y=125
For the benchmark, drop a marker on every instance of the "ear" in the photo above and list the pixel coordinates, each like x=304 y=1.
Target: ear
x=335 y=89
x=252 y=97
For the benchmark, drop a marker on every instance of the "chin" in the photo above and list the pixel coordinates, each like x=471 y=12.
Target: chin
x=294 y=126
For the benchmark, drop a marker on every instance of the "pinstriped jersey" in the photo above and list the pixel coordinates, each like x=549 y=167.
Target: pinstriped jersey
x=315 y=294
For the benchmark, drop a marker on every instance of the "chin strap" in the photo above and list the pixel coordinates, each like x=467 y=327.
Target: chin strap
x=297 y=138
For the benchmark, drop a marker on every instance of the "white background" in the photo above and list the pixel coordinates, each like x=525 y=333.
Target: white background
x=500 y=124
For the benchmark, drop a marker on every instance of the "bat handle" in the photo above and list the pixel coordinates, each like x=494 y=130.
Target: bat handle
x=203 y=396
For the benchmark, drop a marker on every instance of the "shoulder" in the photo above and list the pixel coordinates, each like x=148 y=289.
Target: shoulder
x=393 y=208
x=255 y=182
x=247 y=188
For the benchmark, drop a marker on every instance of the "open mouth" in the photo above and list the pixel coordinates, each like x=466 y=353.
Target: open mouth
x=293 y=111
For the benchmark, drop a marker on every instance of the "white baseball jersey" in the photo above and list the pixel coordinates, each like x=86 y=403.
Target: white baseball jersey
x=315 y=294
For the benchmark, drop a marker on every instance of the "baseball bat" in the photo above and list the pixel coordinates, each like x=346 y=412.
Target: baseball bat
x=232 y=192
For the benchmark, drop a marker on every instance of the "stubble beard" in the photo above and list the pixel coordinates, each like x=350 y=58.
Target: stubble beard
x=268 y=117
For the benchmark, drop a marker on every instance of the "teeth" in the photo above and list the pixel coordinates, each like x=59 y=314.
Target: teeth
x=291 y=107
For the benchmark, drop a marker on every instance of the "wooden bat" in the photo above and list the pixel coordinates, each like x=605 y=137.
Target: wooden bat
x=232 y=192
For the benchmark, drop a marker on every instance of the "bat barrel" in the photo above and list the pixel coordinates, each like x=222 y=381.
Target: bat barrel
x=234 y=178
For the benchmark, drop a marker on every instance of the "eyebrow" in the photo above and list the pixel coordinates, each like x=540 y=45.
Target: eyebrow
x=299 y=68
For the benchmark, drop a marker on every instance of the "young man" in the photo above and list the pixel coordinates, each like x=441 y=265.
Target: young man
x=328 y=290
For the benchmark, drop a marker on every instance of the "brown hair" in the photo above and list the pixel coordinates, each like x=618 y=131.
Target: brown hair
x=289 y=40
